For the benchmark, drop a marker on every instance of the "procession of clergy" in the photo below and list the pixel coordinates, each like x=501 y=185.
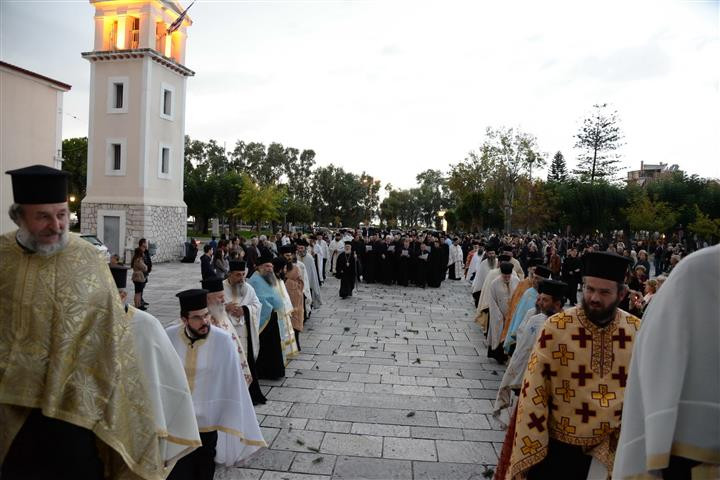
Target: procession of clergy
x=99 y=387
x=569 y=379
x=101 y=390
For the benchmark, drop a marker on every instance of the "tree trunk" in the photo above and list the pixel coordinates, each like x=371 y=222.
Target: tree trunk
x=592 y=174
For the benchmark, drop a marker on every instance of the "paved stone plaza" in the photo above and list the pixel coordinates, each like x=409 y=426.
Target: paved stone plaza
x=389 y=384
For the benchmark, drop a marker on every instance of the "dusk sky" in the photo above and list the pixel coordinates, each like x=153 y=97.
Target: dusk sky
x=394 y=88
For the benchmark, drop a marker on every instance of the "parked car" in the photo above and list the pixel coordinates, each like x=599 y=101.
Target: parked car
x=98 y=244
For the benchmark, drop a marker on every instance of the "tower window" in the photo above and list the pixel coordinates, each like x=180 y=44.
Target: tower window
x=117 y=156
x=165 y=154
x=167 y=101
x=116 y=161
x=134 y=32
x=117 y=96
x=118 y=90
x=165 y=161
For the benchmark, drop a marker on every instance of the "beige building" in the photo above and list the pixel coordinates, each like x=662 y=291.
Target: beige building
x=649 y=172
x=137 y=127
x=31 y=116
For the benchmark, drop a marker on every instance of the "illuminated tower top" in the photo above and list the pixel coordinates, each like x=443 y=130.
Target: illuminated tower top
x=122 y=26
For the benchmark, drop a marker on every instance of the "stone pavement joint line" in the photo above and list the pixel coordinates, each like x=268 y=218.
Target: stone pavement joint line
x=391 y=383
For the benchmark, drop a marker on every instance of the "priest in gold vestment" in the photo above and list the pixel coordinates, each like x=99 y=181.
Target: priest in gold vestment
x=572 y=393
x=64 y=344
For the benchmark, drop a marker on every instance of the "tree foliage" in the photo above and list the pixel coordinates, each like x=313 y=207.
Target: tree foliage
x=74 y=154
x=598 y=139
x=257 y=204
x=558 y=169
x=645 y=214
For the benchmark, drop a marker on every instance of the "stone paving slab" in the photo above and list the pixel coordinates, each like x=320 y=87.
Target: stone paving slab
x=391 y=383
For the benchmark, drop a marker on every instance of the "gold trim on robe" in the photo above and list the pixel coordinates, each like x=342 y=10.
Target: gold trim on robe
x=573 y=388
x=67 y=349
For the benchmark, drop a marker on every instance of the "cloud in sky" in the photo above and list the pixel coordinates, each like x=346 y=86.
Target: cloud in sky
x=395 y=87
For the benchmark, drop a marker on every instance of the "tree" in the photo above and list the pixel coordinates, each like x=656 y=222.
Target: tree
x=432 y=194
x=74 y=154
x=648 y=215
x=705 y=227
x=598 y=138
x=257 y=204
x=512 y=154
x=558 y=169
x=369 y=198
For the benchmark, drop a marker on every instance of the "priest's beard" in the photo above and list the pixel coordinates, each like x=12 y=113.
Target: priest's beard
x=269 y=277
x=217 y=311
x=491 y=262
x=30 y=241
x=195 y=334
x=241 y=288
x=598 y=315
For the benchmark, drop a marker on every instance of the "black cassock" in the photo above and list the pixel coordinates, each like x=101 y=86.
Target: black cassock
x=269 y=363
x=435 y=267
x=345 y=270
x=386 y=254
x=421 y=268
x=404 y=265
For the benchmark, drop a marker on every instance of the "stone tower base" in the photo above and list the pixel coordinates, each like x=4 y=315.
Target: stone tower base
x=164 y=226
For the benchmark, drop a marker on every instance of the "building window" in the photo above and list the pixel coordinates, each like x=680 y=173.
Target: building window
x=134 y=32
x=160 y=34
x=117 y=156
x=167 y=99
x=116 y=160
x=118 y=95
x=118 y=91
x=164 y=157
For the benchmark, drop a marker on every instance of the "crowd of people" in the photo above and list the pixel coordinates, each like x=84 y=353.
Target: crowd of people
x=92 y=381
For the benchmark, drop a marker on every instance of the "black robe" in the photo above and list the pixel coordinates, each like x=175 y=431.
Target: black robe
x=404 y=265
x=386 y=263
x=435 y=268
x=269 y=363
x=421 y=268
x=254 y=388
x=370 y=262
x=345 y=270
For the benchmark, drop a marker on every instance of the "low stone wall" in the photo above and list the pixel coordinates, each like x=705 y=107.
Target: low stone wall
x=164 y=226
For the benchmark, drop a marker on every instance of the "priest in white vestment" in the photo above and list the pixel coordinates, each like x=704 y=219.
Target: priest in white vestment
x=483 y=307
x=311 y=270
x=484 y=266
x=671 y=411
x=243 y=308
x=163 y=378
x=228 y=426
x=550 y=301
x=335 y=248
x=455 y=261
x=499 y=304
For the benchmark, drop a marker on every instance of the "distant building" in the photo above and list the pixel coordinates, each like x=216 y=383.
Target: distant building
x=136 y=137
x=30 y=127
x=649 y=172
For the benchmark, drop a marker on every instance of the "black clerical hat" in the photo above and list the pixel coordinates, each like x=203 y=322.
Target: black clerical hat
x=504 y=258
x=237 y=265
x=506 y=268
x=193 y=299
x=301 y=242
x=507 y=248
x=348 y=242
x=212 y=284
x=553 y=288
x=264 y=259
x=534 y=262
x=278 y=264
x=39 y=184
x=119 y=273
x=542 y=271
x=286 y=249
x=605 y=265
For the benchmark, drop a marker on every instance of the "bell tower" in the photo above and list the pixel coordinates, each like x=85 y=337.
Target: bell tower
x=136 y=131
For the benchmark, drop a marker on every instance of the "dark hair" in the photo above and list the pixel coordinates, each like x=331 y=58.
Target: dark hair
x=137 y=254
x=142 y=240
x=184 y=314
x=207 y=248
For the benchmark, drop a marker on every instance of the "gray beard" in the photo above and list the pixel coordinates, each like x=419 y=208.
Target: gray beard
x=269 y=278
x=241 y=289
x=29 y=241
x=217 y=311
